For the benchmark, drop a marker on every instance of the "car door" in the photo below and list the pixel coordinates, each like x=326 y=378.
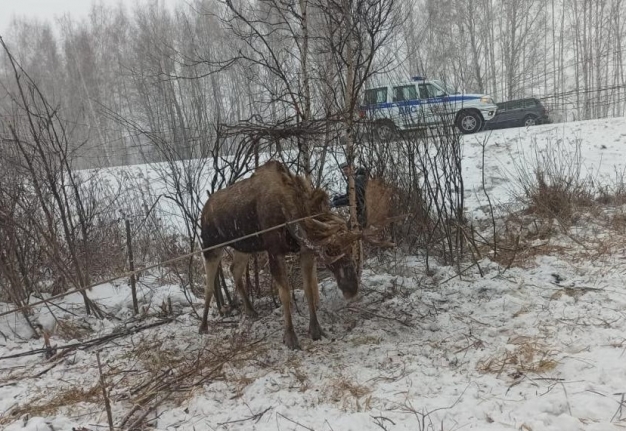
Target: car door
x=516 y=113
x=508 y=117
x=375 y=105
x=499 y=119
x=529 y=107
x=406 y=106
x=433 y=102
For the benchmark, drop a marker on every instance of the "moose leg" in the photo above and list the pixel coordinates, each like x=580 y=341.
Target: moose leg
x=212 y=260
x=240 y=260
x=277 y=268
x=309 y=280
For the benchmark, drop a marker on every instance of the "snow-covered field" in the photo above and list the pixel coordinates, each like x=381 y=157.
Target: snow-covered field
x=537 y=346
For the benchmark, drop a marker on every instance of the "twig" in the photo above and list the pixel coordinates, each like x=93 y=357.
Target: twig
x=256 y=418
x=460 y=273
x=107 y=401
x=373 y=314
x=473 y=248
x=294 y=422
x=148 y=410
x=491 y=211
x=170 y=383
x=515 y=383
x=41 y=373
x=380 y=421
x=92 y=342
x=130 y=414
x=618 y=413
x=569 y=407
x=410 y=409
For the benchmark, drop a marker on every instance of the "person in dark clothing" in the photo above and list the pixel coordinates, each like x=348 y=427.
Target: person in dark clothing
x=360 y=183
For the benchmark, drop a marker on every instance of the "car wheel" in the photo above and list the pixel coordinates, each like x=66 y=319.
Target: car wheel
x=385 y=131
x=469 y=122
x=529 y=121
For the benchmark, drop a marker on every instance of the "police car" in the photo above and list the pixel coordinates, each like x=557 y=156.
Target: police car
x=421 y=103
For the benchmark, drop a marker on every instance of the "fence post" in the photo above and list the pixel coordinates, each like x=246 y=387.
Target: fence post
x=131 y=264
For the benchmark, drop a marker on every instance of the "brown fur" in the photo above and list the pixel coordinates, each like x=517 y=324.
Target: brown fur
x=273 y=196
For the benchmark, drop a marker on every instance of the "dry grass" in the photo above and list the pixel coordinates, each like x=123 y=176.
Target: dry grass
x=73 y=329
x=614 y=193
x=558 y=197
x=175 y=374
x=617 y=223
x=521 y=311
x=295 y=368
x=153 y=370
x=524 y=237
x=156 y=356
x=600 y=232
x=349 y=394
x=576 y=294
x=49 y=406
x=519 y=246
x=552 y=182
x=365 y=340
x=241 y=383
x=528 y=356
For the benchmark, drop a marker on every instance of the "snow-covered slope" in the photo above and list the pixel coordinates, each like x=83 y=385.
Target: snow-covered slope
x=537 y=347
x=601 y=147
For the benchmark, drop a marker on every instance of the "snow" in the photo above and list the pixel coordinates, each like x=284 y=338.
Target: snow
x=536 y=347
x=600 y=142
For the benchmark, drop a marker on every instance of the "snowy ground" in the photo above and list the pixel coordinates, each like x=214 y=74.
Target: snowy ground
x=537 y=346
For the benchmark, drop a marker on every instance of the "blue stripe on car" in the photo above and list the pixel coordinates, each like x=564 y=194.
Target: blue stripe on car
x=453 y=98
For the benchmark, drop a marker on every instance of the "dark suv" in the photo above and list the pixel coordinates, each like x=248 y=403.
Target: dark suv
x=521 y=112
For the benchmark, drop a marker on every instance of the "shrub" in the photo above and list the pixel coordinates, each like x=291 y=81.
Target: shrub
x=553 y=182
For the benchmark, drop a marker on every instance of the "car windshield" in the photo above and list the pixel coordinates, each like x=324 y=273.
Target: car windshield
x=447 y=87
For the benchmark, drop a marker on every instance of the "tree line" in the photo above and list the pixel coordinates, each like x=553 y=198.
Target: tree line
x=180 y=72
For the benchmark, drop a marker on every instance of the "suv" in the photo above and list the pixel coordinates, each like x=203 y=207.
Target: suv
x=420 y=103
x=521 y=112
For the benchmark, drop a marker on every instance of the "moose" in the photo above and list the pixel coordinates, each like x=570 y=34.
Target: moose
x=278 y=212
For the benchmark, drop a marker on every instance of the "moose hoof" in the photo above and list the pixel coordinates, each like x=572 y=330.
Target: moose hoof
x=316 y=332
x=204 y=329
x=291 y=340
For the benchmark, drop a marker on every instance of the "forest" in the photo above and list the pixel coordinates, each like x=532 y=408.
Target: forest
x=178 y=73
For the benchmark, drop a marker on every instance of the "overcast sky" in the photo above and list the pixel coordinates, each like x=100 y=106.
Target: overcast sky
x=51 y=9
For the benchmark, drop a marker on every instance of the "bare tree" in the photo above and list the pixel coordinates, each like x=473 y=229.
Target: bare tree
x=355 y=34
x=64 y=213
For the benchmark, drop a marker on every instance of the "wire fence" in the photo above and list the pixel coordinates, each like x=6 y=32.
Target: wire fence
x=156 y=265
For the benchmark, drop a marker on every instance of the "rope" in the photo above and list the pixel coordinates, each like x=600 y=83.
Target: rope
x=176 y=259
